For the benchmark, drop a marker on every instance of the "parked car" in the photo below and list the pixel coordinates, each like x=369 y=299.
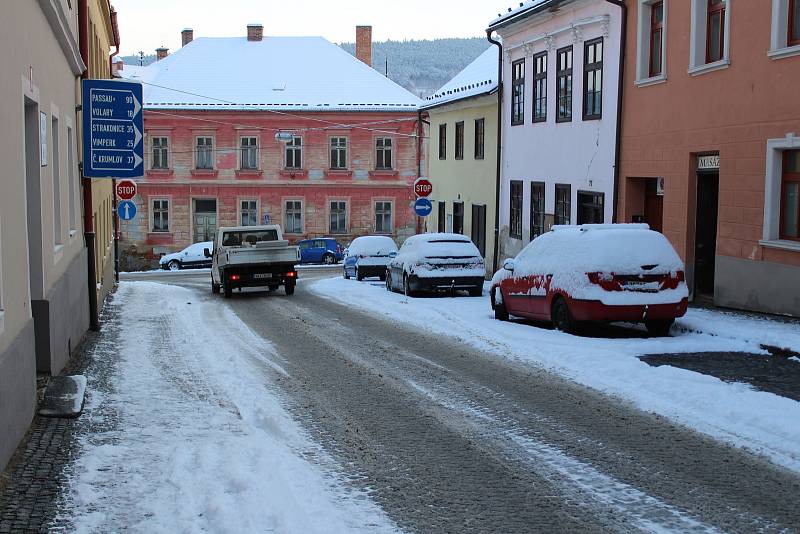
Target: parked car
x=191 y=257
x=320 y=250
x=368 y=256
x=611 y=272
x=436 y=262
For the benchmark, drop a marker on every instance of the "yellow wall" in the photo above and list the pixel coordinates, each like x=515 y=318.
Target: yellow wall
x=468 y=180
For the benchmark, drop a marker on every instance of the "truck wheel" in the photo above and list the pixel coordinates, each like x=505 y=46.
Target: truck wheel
x=215 y=288
x=228 y=291
x=359 y=276
x=289 y=288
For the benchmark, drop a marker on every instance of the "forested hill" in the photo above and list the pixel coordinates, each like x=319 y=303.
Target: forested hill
x=420 y=66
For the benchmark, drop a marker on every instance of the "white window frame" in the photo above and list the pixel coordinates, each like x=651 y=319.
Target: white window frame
x=57 y=181
x=644 y=12
x=151 y=218
x=779 y=33
x=239 y=210
x=286 y=149
x=772 y=193
x=150 y=151
x=302 y=214
x=375 y=215
x=697 y=39
x=257 y=148
x=213 y=152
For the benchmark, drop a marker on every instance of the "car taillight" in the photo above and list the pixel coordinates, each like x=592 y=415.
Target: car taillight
x=673 y=280
x=605 y=280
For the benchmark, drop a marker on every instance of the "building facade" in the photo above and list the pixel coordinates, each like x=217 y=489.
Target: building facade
x=43 y=261
x=331 y=149
x=559 y=108
x=710 y=153
x=462 y=148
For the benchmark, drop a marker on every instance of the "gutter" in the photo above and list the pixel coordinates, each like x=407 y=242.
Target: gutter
x=620 y=93
x=499 y=146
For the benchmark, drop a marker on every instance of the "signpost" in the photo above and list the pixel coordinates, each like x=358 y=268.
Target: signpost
x=112 y=129
x=423 y=207
x=423 y=187
x=126 y=189
x=126 y=210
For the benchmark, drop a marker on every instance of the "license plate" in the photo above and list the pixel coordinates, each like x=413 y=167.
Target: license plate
x=262 y=275
x=641 y=286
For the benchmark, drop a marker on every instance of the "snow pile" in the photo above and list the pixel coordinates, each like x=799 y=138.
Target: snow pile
x=372 y=245
x=192 y=436
x=759 y=421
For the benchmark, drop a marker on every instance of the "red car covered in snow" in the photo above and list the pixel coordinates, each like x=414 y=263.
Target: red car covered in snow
x=606 y=272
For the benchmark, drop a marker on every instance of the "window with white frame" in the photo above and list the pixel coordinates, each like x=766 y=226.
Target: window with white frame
x=651 y=40
x=785 y=32
x=73 y=184
x=383 y=153
x=338 y=152
x=57 y=222
x=790 y=196
x=294 y=153
x=249 y=149
x=710 y=35
x=160 y=153
x=593 y=79
x=338 y=217
x=248 y=212
x=160 y=212
x=564 y=84
x=383 y=217
x=204 y=153
x=293 y=217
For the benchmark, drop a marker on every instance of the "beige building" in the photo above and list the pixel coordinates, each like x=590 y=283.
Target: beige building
x=44 y=296
x=462 y=154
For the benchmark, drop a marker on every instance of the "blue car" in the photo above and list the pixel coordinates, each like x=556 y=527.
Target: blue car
x=320 y=250
x=368 y=256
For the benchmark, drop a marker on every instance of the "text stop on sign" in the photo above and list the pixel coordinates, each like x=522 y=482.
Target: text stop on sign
x=126 y=189
x=423 y=187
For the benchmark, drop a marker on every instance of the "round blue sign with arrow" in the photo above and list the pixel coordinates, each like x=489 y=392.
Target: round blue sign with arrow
x=126 y=210
x=423 y=207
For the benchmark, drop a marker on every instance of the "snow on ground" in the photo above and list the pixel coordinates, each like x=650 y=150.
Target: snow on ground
x=761 y=422
x=196 y=439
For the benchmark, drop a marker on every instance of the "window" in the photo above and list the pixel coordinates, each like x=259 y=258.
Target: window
x=160 y=215
x=564 y=84
x=57 y=223
x=160 y=153
x=794 y=23
x=249 y=146
x=204 y=153
x=537 y=209
x=383 y=217
x=656 y=39
x=383 y=153
x=249 y=212
x=338 y=152
x=715 y=31
x=458 y=217
x=590 y=207
x=563 y=203
x=593 y=79
x=442 y=141
x=790 y=196
x=515 y=219
x=518 y=92
x=540 y=87
x=480 y=134
x=293 y=217
x=294 y=153
x=73 y=183
x=338 y=217
x=441 y=217
x=460 y=140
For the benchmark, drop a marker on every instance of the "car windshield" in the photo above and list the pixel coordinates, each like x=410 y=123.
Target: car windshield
x=242 y=237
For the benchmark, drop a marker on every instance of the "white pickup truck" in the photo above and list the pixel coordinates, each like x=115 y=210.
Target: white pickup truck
x=252 y=256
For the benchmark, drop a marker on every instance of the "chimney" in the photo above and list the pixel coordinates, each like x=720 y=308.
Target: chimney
x=161 y=53
x=187 y=35
x=364 y=44
x=255 y=32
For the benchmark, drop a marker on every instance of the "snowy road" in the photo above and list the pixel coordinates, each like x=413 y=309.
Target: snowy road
x=445 y=437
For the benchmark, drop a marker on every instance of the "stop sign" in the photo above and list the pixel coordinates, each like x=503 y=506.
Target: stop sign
x=126 y=189
x=423 y=187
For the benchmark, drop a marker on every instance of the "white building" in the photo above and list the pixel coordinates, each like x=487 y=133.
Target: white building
x=560 y=87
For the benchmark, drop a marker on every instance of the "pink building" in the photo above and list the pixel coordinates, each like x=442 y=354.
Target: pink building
x=293 y=130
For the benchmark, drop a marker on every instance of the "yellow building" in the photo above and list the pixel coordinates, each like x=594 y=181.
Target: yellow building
x=462 y=154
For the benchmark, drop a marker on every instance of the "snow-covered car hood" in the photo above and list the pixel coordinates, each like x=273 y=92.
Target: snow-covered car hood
x=166 y=258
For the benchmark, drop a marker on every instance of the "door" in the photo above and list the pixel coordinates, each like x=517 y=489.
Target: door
x=318 y=249
x=705 y=237
x=205 y=219
x=305 y=247
x=479 y=228
x=653 y=205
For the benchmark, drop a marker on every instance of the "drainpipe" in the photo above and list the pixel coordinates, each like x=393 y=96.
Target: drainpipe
x=115 y=31
x=499 y=146
x=620 y=91
x=88 y=219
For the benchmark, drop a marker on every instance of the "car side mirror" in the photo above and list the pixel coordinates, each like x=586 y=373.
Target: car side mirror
x=508 y=265
x=393 y=254
x=206 y=253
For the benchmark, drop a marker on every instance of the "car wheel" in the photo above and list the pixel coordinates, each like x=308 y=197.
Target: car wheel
x=174 y=265
x=359 y=276
x=389 y=287
x=344 y=273
x=215 y=288
x=500 y=311
x=659 y=328
x=328 y=259
x=407 y=287
x=561 y=316
x=476 y=291
x=289 y=288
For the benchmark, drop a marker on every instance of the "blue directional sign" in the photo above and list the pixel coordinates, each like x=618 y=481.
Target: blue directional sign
x=126 y=210
x=112 y=129
x=423 y=207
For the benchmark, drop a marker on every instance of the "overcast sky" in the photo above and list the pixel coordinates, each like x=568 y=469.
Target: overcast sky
x=148 y=24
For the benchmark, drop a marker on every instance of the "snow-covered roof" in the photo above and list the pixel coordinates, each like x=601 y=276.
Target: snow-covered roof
x=524 y=9
x=283 y=73
x=477 y=78
x=135 y=72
